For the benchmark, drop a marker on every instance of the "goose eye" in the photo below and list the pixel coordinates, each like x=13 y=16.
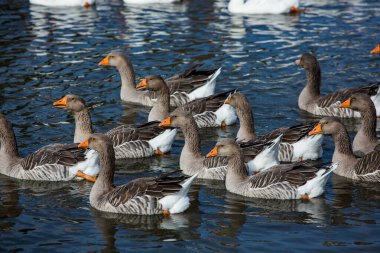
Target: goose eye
x=173 y=117
x=110 y=57
x=72 y=99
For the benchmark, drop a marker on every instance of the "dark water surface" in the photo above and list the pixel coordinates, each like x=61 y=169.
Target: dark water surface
x=46 y=53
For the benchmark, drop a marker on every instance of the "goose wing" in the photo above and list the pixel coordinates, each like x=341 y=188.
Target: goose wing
x=154 y=186
x=290 y=134
x=211 y=103
x=325 y=101
x=368 y=164
x=62 y=154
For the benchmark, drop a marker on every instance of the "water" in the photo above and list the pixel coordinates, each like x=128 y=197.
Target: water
x=46 y=53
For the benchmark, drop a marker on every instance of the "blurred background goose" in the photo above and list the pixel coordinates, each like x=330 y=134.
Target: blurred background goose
x=186 y=86
x=208 y=112
x=63 y=3
x=258 y=155
x=144 y=196
x=365 y=140
x=366 y=168
x=287 y=181
x=55 y=162
x=296 y=145
x=129 y=141
x=310 y=99
x=263 y=6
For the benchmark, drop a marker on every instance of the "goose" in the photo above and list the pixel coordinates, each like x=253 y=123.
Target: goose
x=208 y=112
x=184 y=87
x=376 y=50
x=263 y=6
x=129 y=141
x=286 y=181
x=150 y=1
x=143 y=196
x=296 y=145
x=259 y=156
x=310 y=99
x=63 y=3
x=366 y=168
x=54 y=162
x=365 y=140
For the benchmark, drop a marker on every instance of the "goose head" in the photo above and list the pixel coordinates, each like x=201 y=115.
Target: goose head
x=225 y=147
x=307 y=61
x=238 y=100
x=358 y=102
x=114 y=58
x=151 y=82
x=98 y=142
x=71 y=102
x=327 y=125
x=179 y=118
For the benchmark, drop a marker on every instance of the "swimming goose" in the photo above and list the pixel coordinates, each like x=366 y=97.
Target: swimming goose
x=376 y=50
x=310 y=99
x=208 y=112
x=286 y=181
x=296 y=145
x=144 y=196
x=55 y=162
x=366 y=168
x=259 y=156
x=129 y=141
x=263 y=6
x=365 y=140
x=58 y=3
x=184 y=87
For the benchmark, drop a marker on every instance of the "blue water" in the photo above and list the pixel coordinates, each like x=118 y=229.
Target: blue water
x=46 y=53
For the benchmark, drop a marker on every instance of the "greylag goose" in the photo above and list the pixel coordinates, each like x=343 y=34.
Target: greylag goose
x=129 y=141
x=184 y=87
x=258 y=156
x=376 y=50
x=286 y=181
x=63 y=3
x=296 y=145
x=310 y=99
x=208 y=112
x=366 y=168
x=264 y=7
x=54 y=162
x=365 y=140
x=143 y=196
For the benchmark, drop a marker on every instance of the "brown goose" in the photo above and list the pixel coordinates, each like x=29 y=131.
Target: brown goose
x=129 y=141
x=208 y=112
x=144 y=196
x=296 y=145
x=365 y=140
x=55 y=162
x=310 y=99
x=287 y=181
x=259 y=156
x=184 y=87
x=366 y=168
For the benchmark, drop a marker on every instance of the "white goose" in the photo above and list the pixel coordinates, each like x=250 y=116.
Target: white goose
x=63 y=3
x=55 y=162
x=263 y=6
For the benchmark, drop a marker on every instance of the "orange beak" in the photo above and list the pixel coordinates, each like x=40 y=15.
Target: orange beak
x=104 y=62
x=165 y=122
x=142 y=85
x=346 y=104
x=316 y=130
x=83 y=144
x=61 y=103
x=86 y=4
x=376 y=49
x=213 y=152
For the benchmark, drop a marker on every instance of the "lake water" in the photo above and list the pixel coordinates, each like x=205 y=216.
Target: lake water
x=46 y=53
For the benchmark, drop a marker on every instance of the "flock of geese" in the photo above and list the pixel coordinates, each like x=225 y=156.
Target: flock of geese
x=270 y=166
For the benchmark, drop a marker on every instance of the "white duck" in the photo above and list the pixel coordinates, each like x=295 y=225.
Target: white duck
x=61 y=3
x=263 y=6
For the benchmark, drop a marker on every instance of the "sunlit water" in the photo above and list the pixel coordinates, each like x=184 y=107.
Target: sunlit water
x=46 y=53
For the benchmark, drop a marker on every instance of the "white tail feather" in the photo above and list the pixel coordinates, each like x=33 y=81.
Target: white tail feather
x=164 y=141
x=206 y=90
